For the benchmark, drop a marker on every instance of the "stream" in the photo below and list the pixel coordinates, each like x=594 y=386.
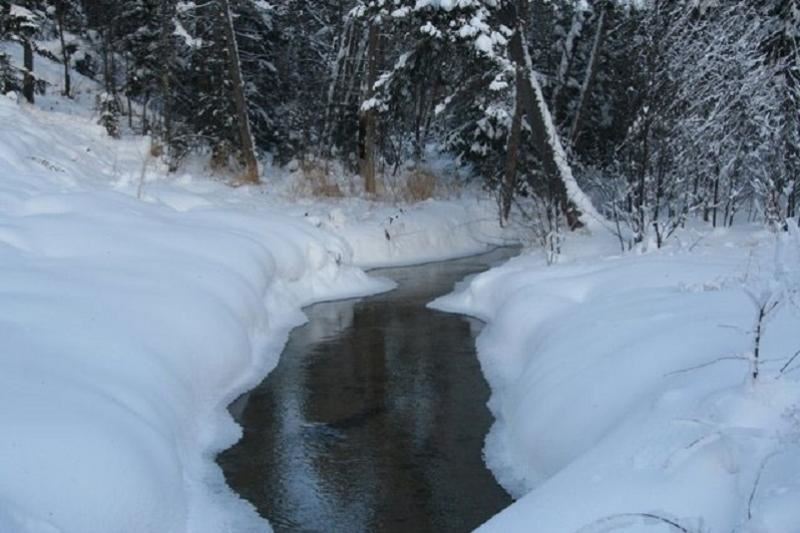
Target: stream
x=374 y=418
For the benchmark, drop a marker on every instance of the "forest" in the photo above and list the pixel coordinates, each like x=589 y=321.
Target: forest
x=659 y=111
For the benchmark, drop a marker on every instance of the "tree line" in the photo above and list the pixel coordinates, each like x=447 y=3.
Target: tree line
x=658 y=110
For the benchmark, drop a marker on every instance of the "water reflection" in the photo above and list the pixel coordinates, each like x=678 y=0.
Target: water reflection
x=374 y=418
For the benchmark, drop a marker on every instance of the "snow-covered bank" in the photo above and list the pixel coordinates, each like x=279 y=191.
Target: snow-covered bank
x=623 y=390
x=134 y=306
x=128 y=327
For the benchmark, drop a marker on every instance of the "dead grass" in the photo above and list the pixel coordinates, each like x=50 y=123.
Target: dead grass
x=315 y=180
x=412 y=185
x=156 y=149
x=319 y=178
x=221 y=156
x=420 y=184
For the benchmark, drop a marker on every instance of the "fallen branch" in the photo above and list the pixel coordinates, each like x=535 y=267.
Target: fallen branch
x=755 y=485
x=649 y=516
x=683 y=370
x=789 y=362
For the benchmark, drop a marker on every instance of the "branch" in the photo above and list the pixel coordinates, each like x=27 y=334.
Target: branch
x=736 y=358
x=756 y=483
x=788 y=363
x=649 y=516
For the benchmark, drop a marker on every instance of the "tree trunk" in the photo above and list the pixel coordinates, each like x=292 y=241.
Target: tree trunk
x=145 y=103
x=65 y=55
x=715 y=208
x=567 y=58
x=575 y=205
x=338 y=71
x=234 y=66
x=107 y=60
x=167 y=52
x=588 y=79
x=28 y=81
x=512 y=156
x=367 y=121
x=367 y=117
x=640 y=202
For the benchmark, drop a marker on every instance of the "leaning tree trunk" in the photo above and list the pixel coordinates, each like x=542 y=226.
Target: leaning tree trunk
x=367 y=120
x=575 y=205
x=235 y=68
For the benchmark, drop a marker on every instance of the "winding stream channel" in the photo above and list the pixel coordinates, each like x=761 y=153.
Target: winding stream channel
x=374 y=419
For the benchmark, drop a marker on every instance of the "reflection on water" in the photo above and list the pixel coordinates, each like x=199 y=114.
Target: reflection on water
x=374 y=419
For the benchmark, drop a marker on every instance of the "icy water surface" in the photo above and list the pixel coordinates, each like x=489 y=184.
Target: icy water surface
x=374 y=419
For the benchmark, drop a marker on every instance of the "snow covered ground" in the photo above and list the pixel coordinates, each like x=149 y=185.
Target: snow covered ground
x=135 y=306
x=623 y=386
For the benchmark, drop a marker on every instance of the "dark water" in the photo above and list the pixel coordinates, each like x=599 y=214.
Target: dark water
x=375 y=417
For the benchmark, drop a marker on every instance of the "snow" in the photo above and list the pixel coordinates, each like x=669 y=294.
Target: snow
x=21 y=13
x=188 y=40
x=406 y=235
x=622 y=385
x=137 y=305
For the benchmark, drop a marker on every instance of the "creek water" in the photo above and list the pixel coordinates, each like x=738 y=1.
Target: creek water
x=374 y=418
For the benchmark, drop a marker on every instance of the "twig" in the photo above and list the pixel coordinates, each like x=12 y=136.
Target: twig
x=756 y=483
x=649 y=516
x=737 y=358
x=142 y=175
x=698 y=241
x=763 y=312
x=788 y=363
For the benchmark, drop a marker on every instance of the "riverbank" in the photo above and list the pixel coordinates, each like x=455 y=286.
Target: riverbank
x=623 y=386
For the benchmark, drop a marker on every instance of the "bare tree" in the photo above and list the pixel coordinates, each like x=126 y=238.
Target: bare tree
x=66 y=50
x=367 y=122
x=243 y=120
x=591 y=72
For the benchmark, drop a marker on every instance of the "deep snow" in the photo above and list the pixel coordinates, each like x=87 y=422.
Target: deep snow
x=136 y=305
x=622 y=385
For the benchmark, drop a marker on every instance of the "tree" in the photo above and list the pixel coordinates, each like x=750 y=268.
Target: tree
x=243 y=119
x=63 y=9
x=367 y=122
x=23 y=21
x=703 y=135
x=591 y=72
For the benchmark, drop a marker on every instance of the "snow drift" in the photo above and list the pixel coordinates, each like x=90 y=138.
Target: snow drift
x=623 y=393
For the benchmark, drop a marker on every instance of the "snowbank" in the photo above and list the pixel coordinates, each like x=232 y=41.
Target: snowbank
x=127 y=328
x=623 y=393
x=374 y=234
x=434 y=230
